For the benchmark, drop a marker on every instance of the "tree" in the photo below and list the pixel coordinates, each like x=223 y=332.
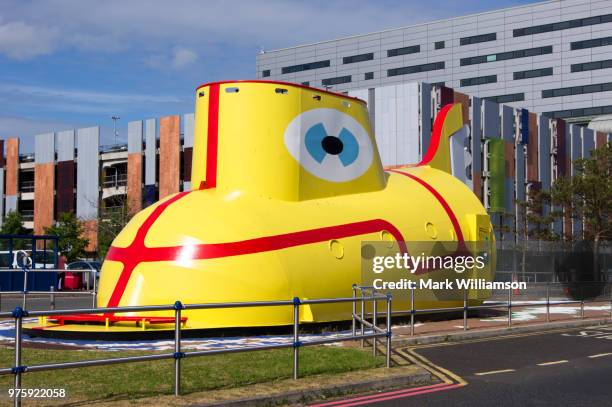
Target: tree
x=70 y=231
x=112 y=221
x=588 y=194
x=13 y=225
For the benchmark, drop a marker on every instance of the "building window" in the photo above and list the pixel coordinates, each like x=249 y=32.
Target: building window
x=305 y=67
x=532 y=73
x=513 y=97
x=265 y=73
x=479 y=80
x=306 y=83
x=415 y=69
x=591 y=66
x=521 y=53
x=475 y=39
x=587 y=111
x=358 y=58
x=438 y=83
x=577 y=90
x=413 y=49
x=336 y=81
x=368 y=75
x=563 y=25
x=595 y=42
x=439 y=44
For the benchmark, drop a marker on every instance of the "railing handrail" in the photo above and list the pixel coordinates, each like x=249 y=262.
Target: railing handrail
x=19 y=313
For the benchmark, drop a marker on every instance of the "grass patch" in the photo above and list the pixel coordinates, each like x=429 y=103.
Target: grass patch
x=154 y=378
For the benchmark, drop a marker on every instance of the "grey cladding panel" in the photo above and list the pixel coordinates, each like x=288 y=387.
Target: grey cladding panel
x=188 y=121
x=476 y=146
x=425 y=117
x=150 y=137
x=507 y=114
x=135 y=137
x=44 y=148
x=88 y=178
x=588 y=142
x=65 y=145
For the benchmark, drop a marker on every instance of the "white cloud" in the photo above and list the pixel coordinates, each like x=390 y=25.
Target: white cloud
x=81 y=101
x=19 y=40
x=177 y=59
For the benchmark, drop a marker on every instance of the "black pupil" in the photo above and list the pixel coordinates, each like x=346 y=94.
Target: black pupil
x=332 y=145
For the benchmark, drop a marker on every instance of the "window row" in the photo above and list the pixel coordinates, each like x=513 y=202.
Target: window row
x=591 y=66
x=415 y=69
x=595 y=42
x=532 y=73
x=358 y=58
x=336 y=81
x=580 y=112
x=305 y=67
x=475 y=39
x=521 y=53
x=577 y=90
x=479 y=80
x=513 y=97
x=563 y=25
x=413 y=49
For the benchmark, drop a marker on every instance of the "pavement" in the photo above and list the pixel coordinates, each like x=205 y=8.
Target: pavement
x=563 y=367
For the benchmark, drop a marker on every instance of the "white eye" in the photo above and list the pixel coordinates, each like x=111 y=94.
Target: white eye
x=329 y=144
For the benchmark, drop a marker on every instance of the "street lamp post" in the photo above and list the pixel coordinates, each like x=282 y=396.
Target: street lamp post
x=115 y=118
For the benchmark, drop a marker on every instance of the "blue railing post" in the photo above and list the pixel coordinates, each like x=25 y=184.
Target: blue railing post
x=178 y=306
x=296 y=337
x=389 y=330
x=18 y=314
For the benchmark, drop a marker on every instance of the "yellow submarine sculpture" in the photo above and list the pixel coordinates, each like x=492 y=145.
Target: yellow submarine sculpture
x=287 y=182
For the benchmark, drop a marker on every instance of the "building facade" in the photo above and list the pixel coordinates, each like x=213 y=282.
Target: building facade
x=553 y=57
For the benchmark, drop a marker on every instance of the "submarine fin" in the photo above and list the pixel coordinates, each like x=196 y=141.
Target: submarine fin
x=447 y=147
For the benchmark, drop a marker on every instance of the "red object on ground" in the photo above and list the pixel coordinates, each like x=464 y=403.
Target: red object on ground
x=72 y=281
x=63 y=319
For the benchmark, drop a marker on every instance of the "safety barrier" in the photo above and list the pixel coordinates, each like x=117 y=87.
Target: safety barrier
x=90 y=289
x=509 y=304
x=376 y=332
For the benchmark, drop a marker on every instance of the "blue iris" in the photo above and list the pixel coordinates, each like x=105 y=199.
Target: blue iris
x=319 y=144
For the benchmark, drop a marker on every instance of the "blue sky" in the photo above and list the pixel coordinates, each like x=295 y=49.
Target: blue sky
x=74 y=63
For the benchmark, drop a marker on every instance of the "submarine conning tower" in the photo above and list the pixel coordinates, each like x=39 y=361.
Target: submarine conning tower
x=243 y=130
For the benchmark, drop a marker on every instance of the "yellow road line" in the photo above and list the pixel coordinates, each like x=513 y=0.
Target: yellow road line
x=494 y=372
x=443 y=374
x=556 y=362
x=600 y=355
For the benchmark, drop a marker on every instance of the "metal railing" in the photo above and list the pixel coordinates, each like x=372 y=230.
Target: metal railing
x=509 y=305
x=115 y=180
x=376 y=332
x=90 y=289
x=26 y=186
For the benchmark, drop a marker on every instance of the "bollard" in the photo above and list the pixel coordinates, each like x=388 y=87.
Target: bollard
x=354 y=326
x=547 y=302
x=177 y=347
x=509 y=307
x=362 y=318
x=296 y=338
x=465 y=310
x=374 y=321
x=52 y=297
x=388 y=356
x=412 y=312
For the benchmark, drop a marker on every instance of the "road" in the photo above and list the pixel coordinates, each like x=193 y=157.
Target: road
x=572 y=367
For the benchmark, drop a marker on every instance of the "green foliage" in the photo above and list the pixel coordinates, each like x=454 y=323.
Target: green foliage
x=588 y=194
x=70 y=231
x=13 y=225
x=112 y=221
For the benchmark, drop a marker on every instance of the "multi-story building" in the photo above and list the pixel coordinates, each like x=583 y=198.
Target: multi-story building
x=553 y=57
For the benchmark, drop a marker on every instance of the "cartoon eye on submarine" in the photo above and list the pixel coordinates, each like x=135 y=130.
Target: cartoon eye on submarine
x=286 y=187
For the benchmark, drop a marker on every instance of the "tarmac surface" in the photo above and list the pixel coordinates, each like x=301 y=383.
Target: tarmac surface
x=565 y=367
